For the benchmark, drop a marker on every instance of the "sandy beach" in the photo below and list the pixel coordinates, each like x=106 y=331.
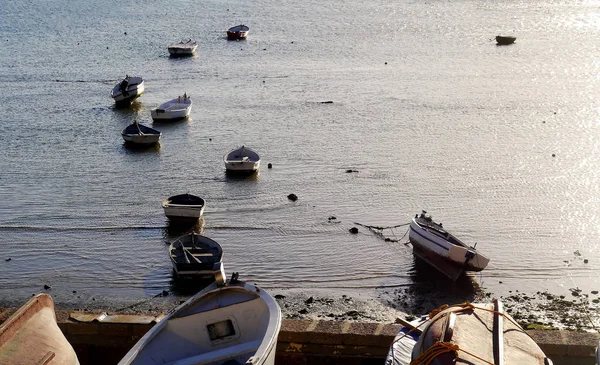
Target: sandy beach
x=540 y=310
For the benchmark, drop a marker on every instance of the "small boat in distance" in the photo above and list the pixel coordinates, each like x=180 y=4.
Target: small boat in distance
x=173 y=110
x=467 y=333
x=225 y=323
x=502 y=40
x=184 y=207
x=195 y=256
x=242 y=160
x=237 y=32
x=32 y=336
x=139 y=134
x=442 y=250
x=183 y=48
x=127 y=90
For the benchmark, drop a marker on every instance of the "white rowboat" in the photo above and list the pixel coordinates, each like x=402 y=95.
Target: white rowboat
x=184 y=207
x=242 y=160
x=432 y=242
x=234 y=323
x=172 y=110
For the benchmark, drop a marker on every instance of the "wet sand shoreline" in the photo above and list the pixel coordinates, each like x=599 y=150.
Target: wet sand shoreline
x=539 y=310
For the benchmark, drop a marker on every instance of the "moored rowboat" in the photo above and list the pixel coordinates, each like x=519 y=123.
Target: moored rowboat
x=184 y=207
x=238 y=32
x=432 y=242
x=183 y=48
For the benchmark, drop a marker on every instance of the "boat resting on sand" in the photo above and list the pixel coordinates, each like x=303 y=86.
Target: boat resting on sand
x=224 y=324
x=432 y=243
x=32 y=336
x=195 y=256
x=139 y=134
x=475 y=334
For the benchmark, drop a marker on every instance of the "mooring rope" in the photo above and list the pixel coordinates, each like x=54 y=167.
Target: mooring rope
x=379 y=231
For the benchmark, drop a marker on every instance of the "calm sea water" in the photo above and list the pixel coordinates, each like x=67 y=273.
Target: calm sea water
x=498 y=143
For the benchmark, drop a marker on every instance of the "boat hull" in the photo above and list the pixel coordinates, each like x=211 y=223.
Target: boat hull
x=141 y=139
x=464 y=257
x=178 y=52
x=182 y=51
x=234 y=36
x=172 y=115
x=183 y=212
x=242 y=166
x=32 y=336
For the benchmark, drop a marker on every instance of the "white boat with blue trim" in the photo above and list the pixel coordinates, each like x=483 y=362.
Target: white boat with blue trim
x=432 y=242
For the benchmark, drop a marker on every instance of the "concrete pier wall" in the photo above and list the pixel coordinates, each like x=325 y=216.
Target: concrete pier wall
x=104 y=339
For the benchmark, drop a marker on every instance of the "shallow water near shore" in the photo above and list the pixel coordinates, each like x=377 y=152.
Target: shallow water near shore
x=414 y=99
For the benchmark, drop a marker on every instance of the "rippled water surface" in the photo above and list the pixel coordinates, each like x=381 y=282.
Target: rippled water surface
x=498 y=143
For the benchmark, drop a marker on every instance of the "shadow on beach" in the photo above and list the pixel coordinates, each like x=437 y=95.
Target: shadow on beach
x=188 y=286
x=431 y=289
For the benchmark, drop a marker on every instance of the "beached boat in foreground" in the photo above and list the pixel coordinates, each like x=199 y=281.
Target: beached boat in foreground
x=475 y=334
x=127 y=90
x=32 y=336
x=238 y=32
x=195 y=256
x=225 y=323
x=172 y=110
x=185 y=207
x=140 y=134
x=503 y=40
x=432 y=243
x=242 y=160
x=183 y=48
